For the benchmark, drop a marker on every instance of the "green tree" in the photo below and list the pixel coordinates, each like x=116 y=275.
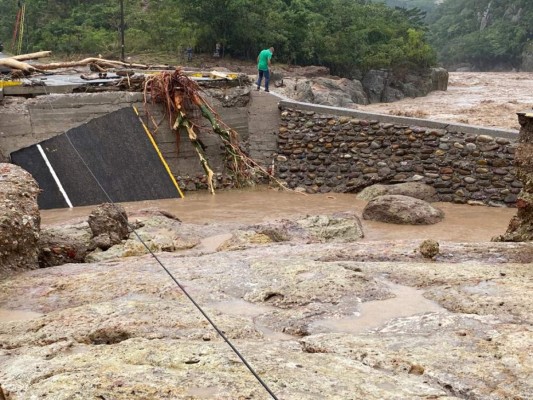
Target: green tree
x=349 y=36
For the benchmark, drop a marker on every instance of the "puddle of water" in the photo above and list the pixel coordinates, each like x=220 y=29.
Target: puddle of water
x=204 y=393
x=241 y=307
x=246 y=309
x=270 y=334
x=373 y=314
x=17 y=315
x=212 y=243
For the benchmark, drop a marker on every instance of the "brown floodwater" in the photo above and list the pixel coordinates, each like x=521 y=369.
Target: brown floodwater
x=462 y=223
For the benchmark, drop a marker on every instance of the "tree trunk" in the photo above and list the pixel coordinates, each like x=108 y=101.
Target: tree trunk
x=32 y=56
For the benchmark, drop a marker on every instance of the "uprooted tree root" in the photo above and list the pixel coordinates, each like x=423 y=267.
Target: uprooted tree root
x=182 y=99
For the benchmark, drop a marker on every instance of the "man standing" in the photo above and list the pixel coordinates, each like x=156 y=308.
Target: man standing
x=263 y=65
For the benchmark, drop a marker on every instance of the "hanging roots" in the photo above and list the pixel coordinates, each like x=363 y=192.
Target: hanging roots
x=181 y=97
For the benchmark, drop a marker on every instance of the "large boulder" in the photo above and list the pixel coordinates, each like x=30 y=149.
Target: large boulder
x=19 y=220
x=396 y=209
x=418 y=190
x=158 y=232
x=65 y=244
x=385 y=86
x=325 y=228
x=331 y=92
x=374 y=83
x=439 y=79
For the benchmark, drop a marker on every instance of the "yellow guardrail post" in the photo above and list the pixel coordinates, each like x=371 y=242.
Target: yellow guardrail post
x=150 y=136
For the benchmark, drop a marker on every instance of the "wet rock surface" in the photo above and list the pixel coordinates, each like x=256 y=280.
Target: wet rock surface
x=293 y=305
x=417 y=190
x=19 y=220
x=398 y=209
x=109 y=225
x=66 y=244
x=521 y=226
x=340 y=227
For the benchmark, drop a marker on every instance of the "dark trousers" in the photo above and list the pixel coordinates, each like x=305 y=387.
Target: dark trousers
x=266 y=74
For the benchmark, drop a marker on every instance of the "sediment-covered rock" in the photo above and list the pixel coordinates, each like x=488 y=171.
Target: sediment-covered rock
x=397 y=209
x=138 y=333
x=158 y=232
x=109 y=225
x=65 y=244
x=418 y=190
x=340 y=227
x=429 y=248
x=387 y=85
x=521 y=226
x=19 y=220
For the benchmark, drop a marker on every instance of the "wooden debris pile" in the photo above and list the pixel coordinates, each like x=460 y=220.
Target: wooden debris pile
x=96 y=64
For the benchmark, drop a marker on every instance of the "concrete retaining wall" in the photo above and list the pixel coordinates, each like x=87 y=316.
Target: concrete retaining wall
x=326 y=149
x=24 y=122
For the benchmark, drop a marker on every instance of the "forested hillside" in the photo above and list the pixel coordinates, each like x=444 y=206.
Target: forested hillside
x=485 y=33
x=346 y=35
x=349 y=36
x=424 y=5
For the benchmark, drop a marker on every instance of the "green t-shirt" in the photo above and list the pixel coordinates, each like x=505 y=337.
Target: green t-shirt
x=264 y=56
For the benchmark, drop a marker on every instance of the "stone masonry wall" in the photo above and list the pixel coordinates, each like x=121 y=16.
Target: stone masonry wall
x=327 y=153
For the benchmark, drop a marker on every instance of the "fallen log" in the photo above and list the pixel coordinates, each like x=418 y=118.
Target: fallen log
x=101 y=62
x=32 y=56
x=19 y=65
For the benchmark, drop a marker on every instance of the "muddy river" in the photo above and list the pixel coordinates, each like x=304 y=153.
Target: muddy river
x=463 y=223
x=489 y=99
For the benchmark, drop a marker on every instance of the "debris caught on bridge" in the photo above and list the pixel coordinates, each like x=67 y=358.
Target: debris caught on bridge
x=181 y=97
x=177 y=90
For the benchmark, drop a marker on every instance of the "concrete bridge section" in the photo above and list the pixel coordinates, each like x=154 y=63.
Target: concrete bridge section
x=466 y=163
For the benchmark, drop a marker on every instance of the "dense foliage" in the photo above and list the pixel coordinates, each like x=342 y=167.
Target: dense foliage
x=485 y=33
x=346 y=35
x=426 y=6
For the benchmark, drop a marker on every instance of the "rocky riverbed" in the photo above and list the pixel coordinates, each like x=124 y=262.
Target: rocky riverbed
x=318 y=315
x=322 y=305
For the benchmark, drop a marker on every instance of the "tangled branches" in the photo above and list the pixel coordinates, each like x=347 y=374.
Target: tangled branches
x=180 y=95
